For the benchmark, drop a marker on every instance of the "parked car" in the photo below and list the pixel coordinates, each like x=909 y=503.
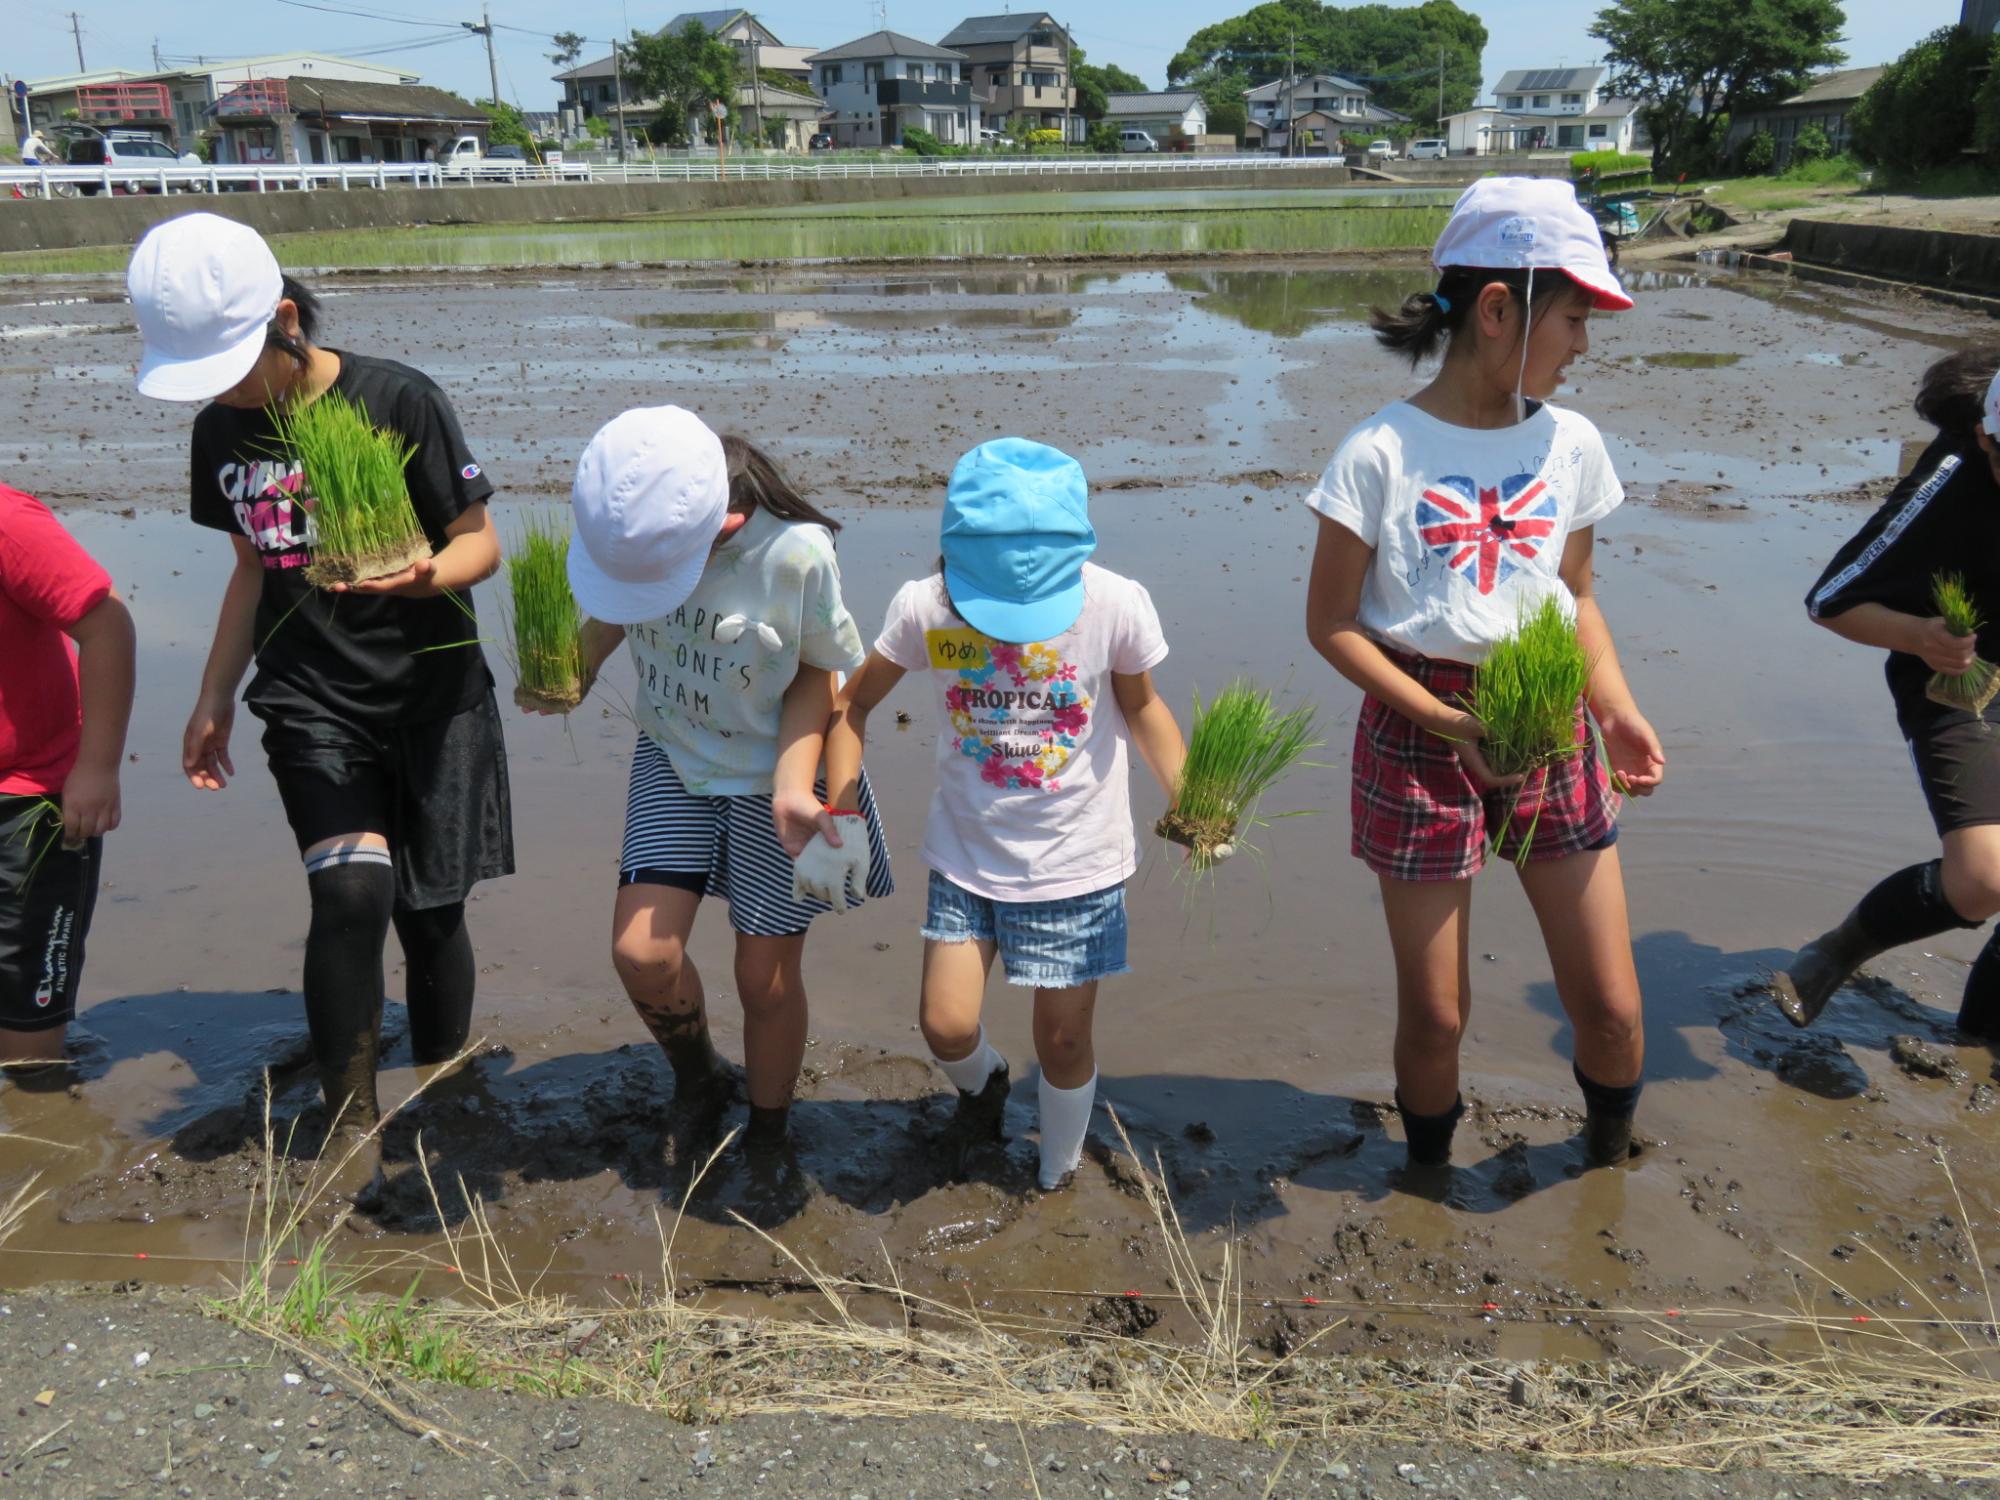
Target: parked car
x=1382 y=148
x=1425 y=151
x=128 y=148
x=820 y=142
x=1133 y=139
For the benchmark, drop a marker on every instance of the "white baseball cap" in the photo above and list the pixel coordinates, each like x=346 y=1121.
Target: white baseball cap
x=651 y=492
x=204 y=290
x=1521 y=223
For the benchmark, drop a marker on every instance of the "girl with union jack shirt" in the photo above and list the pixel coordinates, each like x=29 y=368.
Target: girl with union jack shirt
x=1443 y=519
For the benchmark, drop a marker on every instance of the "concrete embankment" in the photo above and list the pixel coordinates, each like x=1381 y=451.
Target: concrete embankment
x=77 y=223
x=1962 y=265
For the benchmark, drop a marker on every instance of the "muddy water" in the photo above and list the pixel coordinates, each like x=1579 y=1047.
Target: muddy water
x=1251 y=1051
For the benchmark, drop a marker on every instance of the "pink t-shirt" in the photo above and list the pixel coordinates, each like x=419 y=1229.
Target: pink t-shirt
x=1033 y=800
x=47 y=584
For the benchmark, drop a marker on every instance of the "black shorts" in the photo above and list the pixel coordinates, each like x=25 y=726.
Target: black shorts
x=1957 y=757
x=437 y=791
x=47 y=894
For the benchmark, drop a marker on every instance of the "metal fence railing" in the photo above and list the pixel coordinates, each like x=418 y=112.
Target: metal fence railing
x=70 y=182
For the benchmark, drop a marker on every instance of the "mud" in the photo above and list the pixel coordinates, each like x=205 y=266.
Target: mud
x=1249 y=1057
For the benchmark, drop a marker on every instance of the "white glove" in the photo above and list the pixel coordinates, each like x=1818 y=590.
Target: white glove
x=729 y=630
x=824 y=873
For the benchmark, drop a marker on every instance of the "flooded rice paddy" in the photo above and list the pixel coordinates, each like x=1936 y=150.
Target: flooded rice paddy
x=1250 y=1052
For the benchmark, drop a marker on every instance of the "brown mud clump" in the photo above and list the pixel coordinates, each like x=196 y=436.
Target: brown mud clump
x=1208 y=838
x=325 y=570
x=555 y=700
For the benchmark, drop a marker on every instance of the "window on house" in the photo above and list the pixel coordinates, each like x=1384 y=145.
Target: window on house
x=1513 y=101
x=1597 y=132
x=1572 y=98
x=1042 y=80
x=1541 y=101
x=1041 y=39
x=829 y=75
x=871 y=74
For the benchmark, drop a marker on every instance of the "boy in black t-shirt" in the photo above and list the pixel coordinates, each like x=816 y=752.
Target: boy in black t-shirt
x=377 y=705
x=1943 y=517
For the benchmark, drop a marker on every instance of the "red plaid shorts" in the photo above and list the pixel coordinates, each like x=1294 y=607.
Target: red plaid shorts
x=1419 y=815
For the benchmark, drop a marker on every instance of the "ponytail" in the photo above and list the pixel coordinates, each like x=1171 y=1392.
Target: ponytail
x=1429 y=323
x=756 y=483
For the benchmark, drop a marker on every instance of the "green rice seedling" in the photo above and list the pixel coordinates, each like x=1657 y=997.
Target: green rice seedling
x=363 y=523
x=1975 y=687
x=547 y=631
x=1525 y=694
x=39 y=831
x=1238 y=750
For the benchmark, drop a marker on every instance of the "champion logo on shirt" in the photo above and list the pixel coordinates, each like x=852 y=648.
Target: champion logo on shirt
x=1485 y=534
x=470 y=471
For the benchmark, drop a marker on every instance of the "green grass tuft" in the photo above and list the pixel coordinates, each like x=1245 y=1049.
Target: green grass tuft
x=1238 y=750
x=1975 y=687
x=547 y=628
x=363 y=523
x=1527 y=689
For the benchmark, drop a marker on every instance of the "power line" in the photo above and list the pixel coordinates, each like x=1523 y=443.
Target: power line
x=368 y=15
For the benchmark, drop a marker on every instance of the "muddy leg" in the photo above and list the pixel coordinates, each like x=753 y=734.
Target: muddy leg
x=440 y=973
x=1580 y=903
x=1427 y=932
x=650 y=925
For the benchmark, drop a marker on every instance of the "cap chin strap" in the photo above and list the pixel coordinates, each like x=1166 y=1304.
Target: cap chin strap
x=1521 y=375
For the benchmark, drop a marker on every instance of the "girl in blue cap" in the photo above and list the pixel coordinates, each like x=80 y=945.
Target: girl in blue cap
x=1443 y=519
x=1042 y=665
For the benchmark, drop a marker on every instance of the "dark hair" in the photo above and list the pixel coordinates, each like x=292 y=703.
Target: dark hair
x=1953 y=395
x=1430 y=321
x=755 y=483
x=275 y=337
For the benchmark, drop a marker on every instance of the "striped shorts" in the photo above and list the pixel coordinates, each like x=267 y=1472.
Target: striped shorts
x=726 y=846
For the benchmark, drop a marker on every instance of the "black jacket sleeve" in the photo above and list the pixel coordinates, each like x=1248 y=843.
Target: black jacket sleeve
x=1915 y=534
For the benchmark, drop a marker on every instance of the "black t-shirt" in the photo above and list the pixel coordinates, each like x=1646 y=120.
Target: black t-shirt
x=371 y=658
x=1944 y=517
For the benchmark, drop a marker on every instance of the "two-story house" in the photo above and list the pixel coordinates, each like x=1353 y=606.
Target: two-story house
x=880 y=85
x=1021 y=63
x=1547 y=109
x=1322 y=105
x=592 y=89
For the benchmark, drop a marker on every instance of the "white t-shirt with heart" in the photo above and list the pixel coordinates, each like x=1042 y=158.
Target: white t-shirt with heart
x=1468 y=524
x=1034 y=756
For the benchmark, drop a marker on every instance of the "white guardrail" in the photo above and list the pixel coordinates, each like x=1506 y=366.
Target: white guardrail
x=70 y=181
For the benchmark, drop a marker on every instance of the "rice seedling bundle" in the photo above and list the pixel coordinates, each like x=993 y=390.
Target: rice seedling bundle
x=1239 y=749
x=363 y=523
x=1525 y=694
x=547 y=624
x=1973 y=688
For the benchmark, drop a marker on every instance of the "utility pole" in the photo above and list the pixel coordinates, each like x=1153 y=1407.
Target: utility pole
x=756 y=89
x=158 y=66
x=1291 y=88
x=76 y=30
x=1068 y=84
x=618 y=79
x=492 y=67
x=1440 y=88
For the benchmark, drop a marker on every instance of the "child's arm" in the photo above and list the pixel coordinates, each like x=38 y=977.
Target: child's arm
x=205 y=744
x=1914 y=635
x=1153 y=728
x=1333 y=606
x=471 y=554
x=1629 y=741
x=847 y=732
x=801 y=737
x=105 y=651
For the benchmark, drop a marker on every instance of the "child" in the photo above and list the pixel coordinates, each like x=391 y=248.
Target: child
x=1042 y=665
x=1943 y=517
x=722 y=578
x=62 y=736
x=378 y=712
x=1442 y=520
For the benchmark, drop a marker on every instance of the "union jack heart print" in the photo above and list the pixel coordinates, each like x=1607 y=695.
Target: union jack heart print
x=1485 y=533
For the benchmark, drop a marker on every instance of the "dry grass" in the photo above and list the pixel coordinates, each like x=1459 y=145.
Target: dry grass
x=1862 y=1400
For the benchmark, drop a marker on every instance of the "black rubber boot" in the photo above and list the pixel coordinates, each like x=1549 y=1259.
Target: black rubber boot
x=1429 y=1136
x=1905 y=907
x=777 y=1184
x=1607 y=1138
x=1804 y=986
x=978 y=1122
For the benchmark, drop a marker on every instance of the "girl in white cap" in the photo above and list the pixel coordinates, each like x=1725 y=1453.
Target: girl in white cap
x=720 y=576
x=1444 y=518
x=1943 y=517
x=377 y=705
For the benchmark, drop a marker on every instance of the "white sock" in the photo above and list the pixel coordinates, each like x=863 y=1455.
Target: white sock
x=971 y=1071
x=1065 y=1122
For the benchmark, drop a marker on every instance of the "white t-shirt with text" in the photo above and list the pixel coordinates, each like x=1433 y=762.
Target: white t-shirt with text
x=1468 y=524
x=1034 y=755
x=714 y=706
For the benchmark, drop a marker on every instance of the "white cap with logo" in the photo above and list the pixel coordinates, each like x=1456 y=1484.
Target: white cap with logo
x=1530 y=223
x=651 y=494
x=204 y=290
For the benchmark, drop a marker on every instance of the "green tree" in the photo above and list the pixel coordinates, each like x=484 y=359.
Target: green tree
x=1093 y=82
x=1758 y=154
x=1228 y=118
x=1925 y=108
x=505 y=128
x=1693 y=63
x=1103 y=137
x=1811 y=144
x=682 y=73
x=1394 y=50
x=569 y=47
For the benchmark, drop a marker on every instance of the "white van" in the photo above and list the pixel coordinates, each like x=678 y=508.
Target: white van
x=1425 y=151
x=1133 y=139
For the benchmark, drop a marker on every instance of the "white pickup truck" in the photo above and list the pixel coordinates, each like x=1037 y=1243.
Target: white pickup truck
x=469 y=161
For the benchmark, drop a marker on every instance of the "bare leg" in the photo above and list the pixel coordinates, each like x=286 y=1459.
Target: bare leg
x=649 y=931
x=1063 y=1042
x=772 y=988
x=1428 y=934
x=954 y=993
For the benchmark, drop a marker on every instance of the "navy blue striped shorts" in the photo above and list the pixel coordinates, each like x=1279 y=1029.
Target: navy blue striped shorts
x=726 y=846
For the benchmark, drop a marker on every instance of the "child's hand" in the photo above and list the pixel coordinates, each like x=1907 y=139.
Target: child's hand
x=414 y=582
x=205 y=745
x=1941 y=650
x=90 y=804
x=1465 y=734
x=797 y=817
x=1638 y=764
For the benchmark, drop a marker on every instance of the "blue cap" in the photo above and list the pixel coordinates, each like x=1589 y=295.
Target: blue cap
x=1016 y=535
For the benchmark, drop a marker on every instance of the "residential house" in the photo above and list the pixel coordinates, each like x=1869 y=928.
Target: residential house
x=1980 y=17
x=322 y=121
x=1827 y=104
x=1549 y=91
x=1021 y=62
x=788 y=120
x=880 y=85
x=174 y=105
x=1174 y=116
x=1274 y=109
x=1548 y=109
x=591 y=88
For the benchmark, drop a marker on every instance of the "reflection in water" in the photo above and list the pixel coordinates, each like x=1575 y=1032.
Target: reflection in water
x=1289 y=302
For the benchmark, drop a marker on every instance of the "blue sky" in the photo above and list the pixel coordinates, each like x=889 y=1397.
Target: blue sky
x=1138 y=34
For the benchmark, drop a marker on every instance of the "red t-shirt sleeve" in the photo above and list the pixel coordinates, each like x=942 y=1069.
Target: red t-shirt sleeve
x=43 y=571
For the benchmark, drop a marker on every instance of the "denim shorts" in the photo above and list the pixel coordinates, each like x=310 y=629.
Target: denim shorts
x=1049 y=945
